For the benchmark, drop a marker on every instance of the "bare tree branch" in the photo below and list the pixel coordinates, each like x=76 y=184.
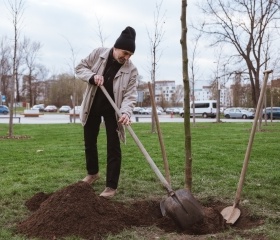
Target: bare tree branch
x=243 y=24
x=155 y=39
x=99 y=32
x=16 y=9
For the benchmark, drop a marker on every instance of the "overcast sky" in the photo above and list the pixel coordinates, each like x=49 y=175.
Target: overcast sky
x=56 y=23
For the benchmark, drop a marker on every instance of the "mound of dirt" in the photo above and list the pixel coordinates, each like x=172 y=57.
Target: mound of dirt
x=77 y=211
x=34 y=203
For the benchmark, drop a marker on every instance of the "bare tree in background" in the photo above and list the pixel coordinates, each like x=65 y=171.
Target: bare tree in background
x=194 y=68
x=183 y=41
x=72 y=65
x=100 y=35
x=178 y=96
x=6 y=69
x=244 y=25
x=5 y=65
x=99 y=32
x=41 y=77
x=217 y=83
x=155 y=38
x=16 y=9
x=61 y=89
x=19 y=62
x=31 y=52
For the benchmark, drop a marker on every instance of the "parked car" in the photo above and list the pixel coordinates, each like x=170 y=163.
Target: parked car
x=205 y=108
x=239 y=113
x=226 y=111
x=4 y=109
x=251 y=109
x=136 y=110
x=172 y=110
x=143 y=111
x=160 y=109
x=150 y=110
x=77 y=110
x=64 y=109
x=40 y=107
x=182 y=112
x=50 y=108
x=275 y=113
x=146 y=110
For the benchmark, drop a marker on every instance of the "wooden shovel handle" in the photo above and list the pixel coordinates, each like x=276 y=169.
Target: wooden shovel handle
x=163 y=151
x=251 y=139
x=139 y=144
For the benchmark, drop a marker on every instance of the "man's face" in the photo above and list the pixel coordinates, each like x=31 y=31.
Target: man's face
x=121 y=55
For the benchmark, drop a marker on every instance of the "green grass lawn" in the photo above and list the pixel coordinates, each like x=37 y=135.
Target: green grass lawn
x=52 y=156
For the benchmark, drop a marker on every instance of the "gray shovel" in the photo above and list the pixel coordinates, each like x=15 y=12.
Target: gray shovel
x=180 y=205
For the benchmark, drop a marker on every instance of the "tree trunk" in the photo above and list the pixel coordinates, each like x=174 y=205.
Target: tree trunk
x=183 y=41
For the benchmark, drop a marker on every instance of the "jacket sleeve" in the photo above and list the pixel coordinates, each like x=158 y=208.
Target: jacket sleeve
x=130 y=95
x=84 y=70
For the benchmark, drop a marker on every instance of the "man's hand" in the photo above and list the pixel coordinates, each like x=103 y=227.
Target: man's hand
x=98 y=80
x=124 y=119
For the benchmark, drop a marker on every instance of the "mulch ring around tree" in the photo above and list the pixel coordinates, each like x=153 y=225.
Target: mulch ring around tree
x=77 y=211
x=15 y=137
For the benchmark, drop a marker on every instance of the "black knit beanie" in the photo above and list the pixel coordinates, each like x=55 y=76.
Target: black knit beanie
x=126 y=40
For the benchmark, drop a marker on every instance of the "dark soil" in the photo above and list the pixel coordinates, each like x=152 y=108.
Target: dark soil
x=77 y=211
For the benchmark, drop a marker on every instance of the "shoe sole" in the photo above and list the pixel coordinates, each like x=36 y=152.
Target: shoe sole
x=93 y=181
x=108 y=196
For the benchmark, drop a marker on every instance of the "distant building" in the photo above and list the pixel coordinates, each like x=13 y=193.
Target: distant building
x=201 y=94
x=275 y=83
x=206 y=93
x=167 y=88
x=164 y=88
x=225 y=97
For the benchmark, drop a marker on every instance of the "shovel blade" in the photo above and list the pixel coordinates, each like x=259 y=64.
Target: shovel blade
x=182 y=208
x=162 y=207
x=231 y=214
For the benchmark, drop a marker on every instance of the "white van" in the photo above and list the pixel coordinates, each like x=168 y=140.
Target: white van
x=203 y=109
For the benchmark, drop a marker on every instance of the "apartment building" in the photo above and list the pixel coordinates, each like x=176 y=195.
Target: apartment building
x=206 y=93
x=164 y=89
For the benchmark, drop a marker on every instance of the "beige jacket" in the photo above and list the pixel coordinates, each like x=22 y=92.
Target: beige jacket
x=124 y=84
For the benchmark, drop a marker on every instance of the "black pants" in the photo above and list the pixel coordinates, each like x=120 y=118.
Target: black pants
x=91 y=131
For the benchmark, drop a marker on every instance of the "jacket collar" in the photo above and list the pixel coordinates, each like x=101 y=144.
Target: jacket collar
x=124 y=68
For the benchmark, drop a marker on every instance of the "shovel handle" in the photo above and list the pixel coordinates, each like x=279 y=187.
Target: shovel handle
x=163 y=151
x=251 y=139
x=139 y=144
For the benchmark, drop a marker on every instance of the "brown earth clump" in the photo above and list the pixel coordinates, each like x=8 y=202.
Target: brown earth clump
x=77 y=211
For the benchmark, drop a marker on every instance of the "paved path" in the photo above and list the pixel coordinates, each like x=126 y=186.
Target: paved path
x=64 y=118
